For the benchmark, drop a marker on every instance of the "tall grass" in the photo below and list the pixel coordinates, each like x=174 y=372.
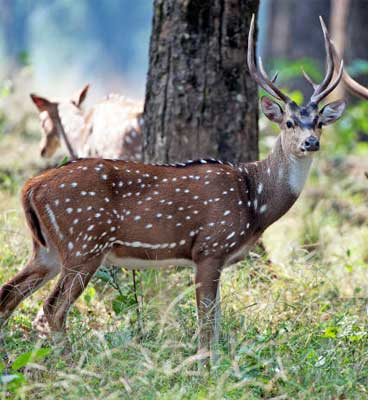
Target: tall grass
x=294 y=316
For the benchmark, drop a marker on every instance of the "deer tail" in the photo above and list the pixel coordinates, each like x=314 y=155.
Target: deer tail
x=31 y=216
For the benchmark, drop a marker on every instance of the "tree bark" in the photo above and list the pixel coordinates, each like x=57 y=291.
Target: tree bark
x=357 y=36
x=338 y=22
x=200 y=100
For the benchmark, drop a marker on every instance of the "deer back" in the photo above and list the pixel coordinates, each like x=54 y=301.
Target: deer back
x=113 y=130
x=140 y=211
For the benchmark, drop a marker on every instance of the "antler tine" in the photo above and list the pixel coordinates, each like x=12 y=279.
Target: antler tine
x=261 y=77
x=274 y=78
x=309 y=79
x=323 y=86
x=263 y=71
x=331 y=87
x=355 y=87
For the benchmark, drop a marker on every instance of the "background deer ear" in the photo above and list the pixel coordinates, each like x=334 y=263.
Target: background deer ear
x=80 y=96
x=331 y=112
x=272 y=110
x=41 y=103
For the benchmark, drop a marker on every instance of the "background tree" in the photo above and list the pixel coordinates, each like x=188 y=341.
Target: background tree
x=200 y=101
x=293 y=33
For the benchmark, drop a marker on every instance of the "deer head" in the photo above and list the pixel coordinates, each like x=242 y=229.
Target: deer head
x=301 y=126
x=52 y=127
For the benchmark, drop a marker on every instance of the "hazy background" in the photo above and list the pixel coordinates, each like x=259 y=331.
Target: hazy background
x=69 y=43
x=105 y=42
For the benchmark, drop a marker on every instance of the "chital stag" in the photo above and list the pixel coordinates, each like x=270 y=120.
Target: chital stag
x=205 y=214
x=110 y=129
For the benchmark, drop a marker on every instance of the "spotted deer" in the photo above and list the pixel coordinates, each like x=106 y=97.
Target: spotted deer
x=110 y=129
x=205 y=214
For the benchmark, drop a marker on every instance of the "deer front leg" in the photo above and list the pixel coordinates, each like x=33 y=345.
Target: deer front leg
x=207 y=281
x=73 y=280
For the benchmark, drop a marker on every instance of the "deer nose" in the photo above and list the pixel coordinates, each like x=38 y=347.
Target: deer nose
x=311 y=144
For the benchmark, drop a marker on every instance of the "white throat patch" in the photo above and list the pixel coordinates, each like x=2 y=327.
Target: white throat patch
x=298 y=173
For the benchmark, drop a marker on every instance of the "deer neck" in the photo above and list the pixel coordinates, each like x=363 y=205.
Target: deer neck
x=70 y=127
x=275 y=183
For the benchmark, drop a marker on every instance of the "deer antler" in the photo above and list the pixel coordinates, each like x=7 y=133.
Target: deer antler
x=354 y=87
x=323 y=89
x=260 y=76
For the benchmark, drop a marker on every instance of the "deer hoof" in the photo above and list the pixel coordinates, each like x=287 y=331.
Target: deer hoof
x=41 y=325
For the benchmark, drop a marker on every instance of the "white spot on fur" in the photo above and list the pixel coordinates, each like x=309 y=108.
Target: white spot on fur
x=232 y=234
x=52 y=218
x=263 y=209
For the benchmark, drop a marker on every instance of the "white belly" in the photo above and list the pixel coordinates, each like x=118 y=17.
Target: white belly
x=137 y=263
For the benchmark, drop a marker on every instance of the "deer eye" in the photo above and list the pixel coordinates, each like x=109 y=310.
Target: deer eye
x=289 y=124
x=320 y=124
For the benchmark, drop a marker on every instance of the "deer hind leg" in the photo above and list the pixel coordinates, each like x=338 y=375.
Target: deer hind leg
x=43 y=266
x=72 y=281
x=208 y=304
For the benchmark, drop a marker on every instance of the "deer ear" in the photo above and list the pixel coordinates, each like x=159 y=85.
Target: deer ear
x=80 y=96
x=41 y=103
x=272 y=110
x=331 y=112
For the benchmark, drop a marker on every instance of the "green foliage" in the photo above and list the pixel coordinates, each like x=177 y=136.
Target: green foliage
x=9 y=181
x=64 y=161
x=14 y=381
x=124 y=297
x=24 y=58
x=358 y=67
x=347 y=130
x=293 y=69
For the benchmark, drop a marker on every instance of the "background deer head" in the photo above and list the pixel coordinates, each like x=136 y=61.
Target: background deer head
x=51 y=124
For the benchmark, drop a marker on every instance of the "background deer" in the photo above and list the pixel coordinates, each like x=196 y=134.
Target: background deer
x=110 y=129
x=204 y=213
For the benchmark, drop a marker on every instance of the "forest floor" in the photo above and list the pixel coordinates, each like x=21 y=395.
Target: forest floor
x=294 y=318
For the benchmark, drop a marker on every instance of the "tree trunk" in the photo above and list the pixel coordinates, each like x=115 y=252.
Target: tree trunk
x=200 y=100
x=357 y=36
x=338 y=22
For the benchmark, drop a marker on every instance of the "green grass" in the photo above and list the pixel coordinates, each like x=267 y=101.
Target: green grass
x=294 y=322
